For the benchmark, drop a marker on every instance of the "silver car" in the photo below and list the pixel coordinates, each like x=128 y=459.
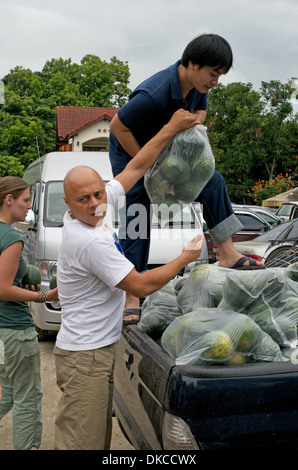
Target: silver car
x=263 y=212
x=285 y=210
x=270 y=245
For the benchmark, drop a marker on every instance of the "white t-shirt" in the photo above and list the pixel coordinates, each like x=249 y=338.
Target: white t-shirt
x=89 y=268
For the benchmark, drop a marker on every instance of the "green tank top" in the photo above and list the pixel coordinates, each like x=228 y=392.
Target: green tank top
x=14 y=315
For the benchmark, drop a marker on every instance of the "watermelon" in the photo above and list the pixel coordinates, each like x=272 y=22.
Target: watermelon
x=53 y=281
x=190 y=143
x=292 y=271
x=244 y=332
x=217 y=345
x=176 y=169
x=157 y=185
x=32 y=276
x=186 y=192
x=238 y=358
x=204 y=168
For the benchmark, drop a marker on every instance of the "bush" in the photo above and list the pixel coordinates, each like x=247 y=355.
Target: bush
x=265 y=189
x=11 y=166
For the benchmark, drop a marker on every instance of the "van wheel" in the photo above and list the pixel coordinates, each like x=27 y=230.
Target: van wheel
x=42 y=334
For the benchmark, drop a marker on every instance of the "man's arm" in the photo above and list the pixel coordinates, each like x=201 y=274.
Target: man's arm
x=142 y=284
x=125 y=136
x=201 y=115
x=137 y=167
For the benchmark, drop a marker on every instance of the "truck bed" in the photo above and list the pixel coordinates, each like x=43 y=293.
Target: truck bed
x=224 y=407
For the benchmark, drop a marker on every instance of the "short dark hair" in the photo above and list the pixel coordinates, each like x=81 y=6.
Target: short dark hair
x=208 y=49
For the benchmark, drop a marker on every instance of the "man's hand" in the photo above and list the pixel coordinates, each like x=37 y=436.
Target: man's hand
x=194 y=247
x=182 y=120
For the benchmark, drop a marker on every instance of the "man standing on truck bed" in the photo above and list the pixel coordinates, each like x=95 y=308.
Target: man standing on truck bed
x=182 y=85
x=93 y=276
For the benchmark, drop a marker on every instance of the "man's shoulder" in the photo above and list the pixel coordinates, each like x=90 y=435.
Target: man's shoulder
x=156 y=84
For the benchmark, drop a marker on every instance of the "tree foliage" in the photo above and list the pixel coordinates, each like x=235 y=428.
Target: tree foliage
x=28 y=115
x=253 y=134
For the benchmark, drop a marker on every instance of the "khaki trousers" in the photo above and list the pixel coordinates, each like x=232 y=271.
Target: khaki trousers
x=20 y=380
x=84 y=418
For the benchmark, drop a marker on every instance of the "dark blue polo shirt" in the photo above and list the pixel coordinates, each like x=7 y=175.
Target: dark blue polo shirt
x=150 y=106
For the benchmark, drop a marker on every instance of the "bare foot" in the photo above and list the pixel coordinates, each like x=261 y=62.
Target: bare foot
x=230 y=262
x=228 y=255
x=133 y=315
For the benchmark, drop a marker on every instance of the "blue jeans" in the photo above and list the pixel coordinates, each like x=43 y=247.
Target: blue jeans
x=217 y=212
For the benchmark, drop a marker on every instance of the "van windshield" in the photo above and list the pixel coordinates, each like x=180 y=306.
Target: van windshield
x=55 y=208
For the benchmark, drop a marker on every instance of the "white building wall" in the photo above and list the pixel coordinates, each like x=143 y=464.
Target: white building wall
x=99 y=131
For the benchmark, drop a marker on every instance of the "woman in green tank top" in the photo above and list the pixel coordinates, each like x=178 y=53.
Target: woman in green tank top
x=19 y=348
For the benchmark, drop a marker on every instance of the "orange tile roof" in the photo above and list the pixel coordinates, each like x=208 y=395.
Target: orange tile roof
x=71 y=119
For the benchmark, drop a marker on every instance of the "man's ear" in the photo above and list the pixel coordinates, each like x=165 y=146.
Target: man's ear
x=65 y=200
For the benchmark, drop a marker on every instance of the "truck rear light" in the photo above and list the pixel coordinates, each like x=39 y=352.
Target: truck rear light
x=256 y=257
x=176 y=434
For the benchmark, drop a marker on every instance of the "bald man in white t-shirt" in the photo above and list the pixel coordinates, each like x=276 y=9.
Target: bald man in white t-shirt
x=93 y=279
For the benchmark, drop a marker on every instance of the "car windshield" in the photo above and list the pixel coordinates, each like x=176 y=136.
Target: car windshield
x=285 y=209
x=268 y=217
x=277 y=232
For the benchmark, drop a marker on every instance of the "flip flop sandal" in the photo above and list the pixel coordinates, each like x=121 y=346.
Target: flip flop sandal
x=252 y=264
x=131 y=311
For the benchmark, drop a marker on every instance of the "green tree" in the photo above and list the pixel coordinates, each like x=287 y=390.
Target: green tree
x=253 y=134
x=11 y=166
x=234 y=122
x=20 y=141
x=278 y=147
x=31 y=99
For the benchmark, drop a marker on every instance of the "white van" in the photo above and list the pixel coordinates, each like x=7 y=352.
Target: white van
x=42 y=230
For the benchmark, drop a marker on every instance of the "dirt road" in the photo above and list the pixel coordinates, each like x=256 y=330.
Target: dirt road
x=51 y=395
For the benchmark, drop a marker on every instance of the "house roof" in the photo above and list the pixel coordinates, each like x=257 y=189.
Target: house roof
x=71 y=119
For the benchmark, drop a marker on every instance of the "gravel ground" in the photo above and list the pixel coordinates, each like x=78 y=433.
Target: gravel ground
x=51 y=394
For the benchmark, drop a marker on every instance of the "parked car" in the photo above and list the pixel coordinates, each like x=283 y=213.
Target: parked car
x=285 y=210
x=264 y=212
x=42 y=231
x=253 y=226
x=269 y=245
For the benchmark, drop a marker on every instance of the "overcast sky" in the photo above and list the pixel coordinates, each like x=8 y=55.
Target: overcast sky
x=150 y=35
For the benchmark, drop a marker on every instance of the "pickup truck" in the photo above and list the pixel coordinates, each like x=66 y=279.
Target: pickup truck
x=164 y=406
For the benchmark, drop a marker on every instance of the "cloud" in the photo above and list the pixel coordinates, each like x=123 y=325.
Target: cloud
x=151 y=35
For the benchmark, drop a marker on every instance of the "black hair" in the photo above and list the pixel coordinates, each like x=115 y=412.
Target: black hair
x=208 y=49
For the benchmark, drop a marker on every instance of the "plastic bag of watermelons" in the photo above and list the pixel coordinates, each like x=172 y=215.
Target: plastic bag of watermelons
x=181 y=171
x=159 y=310
x=241 y=288
x=278 y=314
x=292 y=271
x=202 y=287
x=269 y=297
x=218 y=337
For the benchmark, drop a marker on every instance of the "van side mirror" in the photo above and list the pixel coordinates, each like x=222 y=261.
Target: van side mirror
x=29 y=222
